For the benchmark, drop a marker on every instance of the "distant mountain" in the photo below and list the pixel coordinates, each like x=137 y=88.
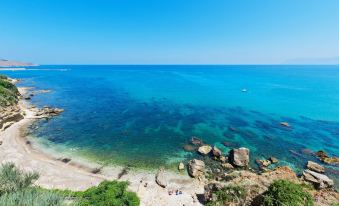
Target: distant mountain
x=317 y=61
x=10 y=63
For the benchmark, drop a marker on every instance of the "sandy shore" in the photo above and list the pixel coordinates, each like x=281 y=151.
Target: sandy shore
x=76 y=175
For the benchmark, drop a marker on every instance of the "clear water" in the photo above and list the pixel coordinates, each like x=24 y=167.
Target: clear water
x=143 y=115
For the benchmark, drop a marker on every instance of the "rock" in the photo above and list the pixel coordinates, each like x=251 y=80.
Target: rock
x=223 y=159
x=240 y=157
x=64 y=160
x=285 y=124
x=273 y=160
x=321 y=154
x=216 y=152
x=227 y=166
x=315 y=167
x=263 y=163
x=189 y=148
x=196 y=168
x=205 y=149
x=196 y=141
x=181 y=166
x=160 y=178
x=320 y=181
x=331 y=160
x=0 y=142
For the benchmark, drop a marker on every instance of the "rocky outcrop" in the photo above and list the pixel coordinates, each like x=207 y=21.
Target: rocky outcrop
x=160 y=178
x=315 y=167
x=320 y=181
x=196 y=168
x=240 y=157
x=9 y=115
x=48 y=111
x=205 y=149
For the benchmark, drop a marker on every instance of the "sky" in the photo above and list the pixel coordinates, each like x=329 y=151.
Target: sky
x=170 y=31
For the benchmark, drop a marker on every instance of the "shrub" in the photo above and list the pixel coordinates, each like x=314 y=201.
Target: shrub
x=286 y=193
x=16 y=188
x=33 y=197
x=8 y=92
x=108 y=193
x=13 y=179
x=228 y=194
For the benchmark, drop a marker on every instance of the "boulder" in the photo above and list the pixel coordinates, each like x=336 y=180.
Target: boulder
x=181 y=166
x=263 y=163
x=196 y=168
x=240 y=157
x=216 y=152
x=227 y=166
x=160 y=178
x=320 y=181
x=205 y=149
x=285 y=124
x=273 y=160
x=315 y=167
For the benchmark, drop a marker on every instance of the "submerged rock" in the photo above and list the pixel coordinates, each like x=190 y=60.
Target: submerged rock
x=323 y=156
x=315 y=167
x=240 y=157
x=196 y=141
x=320 y=181
x=206 y=149
x=196 y=168
x=189 y=148
x=160 y=178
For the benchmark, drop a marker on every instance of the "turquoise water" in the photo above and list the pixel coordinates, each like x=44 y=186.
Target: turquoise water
x=143 y=115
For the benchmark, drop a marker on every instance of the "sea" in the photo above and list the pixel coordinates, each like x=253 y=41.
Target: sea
x=142 y=116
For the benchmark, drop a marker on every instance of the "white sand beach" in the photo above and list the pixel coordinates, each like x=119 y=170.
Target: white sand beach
x=75 y=175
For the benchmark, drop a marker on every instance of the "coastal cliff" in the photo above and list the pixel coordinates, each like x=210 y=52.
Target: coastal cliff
x=9 y=97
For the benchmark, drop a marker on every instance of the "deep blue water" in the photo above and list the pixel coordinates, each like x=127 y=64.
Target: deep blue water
x=143 y=115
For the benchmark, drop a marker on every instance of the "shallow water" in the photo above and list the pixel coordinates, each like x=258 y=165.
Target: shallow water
x=143 y=115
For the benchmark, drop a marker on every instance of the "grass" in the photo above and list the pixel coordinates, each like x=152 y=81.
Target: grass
x=286 y=193
x=8 y=92
x=17 y=188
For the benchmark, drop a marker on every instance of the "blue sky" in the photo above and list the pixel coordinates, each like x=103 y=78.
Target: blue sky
x=170 y=31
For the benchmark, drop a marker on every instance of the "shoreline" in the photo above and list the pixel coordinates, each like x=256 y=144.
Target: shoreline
x=76 y=175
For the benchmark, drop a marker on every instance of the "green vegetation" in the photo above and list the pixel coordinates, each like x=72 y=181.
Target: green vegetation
x=110 y=193
x=8 y=92
x=228 y=194
x=16 y=188
x=283 y=193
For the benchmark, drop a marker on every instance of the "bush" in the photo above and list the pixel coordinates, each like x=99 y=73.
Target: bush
x=108 y=193
x=228 y=194
x=286 y=193
x=16 y=188
x=12 y=179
